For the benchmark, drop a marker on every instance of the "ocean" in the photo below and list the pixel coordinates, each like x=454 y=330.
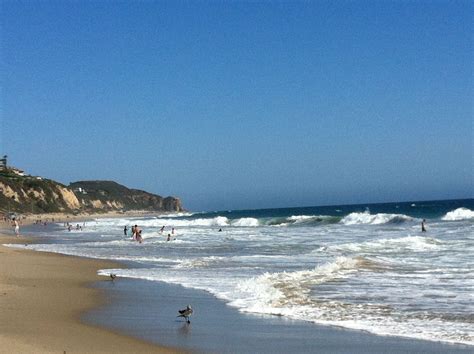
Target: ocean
x=365 y=267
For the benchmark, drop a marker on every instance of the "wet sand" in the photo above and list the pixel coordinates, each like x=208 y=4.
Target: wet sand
x=42 y=297
x=147 y=310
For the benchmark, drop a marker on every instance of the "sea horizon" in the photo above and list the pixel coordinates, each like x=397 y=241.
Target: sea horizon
x=330 y=205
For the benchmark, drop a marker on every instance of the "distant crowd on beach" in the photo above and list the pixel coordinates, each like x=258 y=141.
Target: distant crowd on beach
x=137 y=233
x=70 y=227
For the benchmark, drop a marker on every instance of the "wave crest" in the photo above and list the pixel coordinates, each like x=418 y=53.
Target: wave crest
x=412 y=243
x=459 y=214
x=374 y=219
x=304 y=220
x=276 y=290
x=245 y=222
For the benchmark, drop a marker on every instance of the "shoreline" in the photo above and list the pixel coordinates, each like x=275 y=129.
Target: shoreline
x=43 y=297
x=216 y=327
x=29 y=219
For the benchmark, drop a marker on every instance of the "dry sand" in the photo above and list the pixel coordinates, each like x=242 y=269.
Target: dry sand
x=42 y=296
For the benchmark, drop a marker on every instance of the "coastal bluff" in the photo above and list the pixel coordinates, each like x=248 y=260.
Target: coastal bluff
x=21 y=193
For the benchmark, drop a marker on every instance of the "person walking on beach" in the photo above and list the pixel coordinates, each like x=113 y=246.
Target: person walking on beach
x=16 y=227
x=423 y=225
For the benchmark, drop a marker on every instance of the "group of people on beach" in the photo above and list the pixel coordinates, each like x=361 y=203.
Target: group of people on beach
x=41 y=222
x=137 y=233
x=168 y=238
x=70 y=227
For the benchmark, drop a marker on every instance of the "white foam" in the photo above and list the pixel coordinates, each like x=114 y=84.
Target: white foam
x=201 y=222
x=199 y=262
x=373 y=219
x=270 y=290
x=301 y=217
x=305 y=219
x=288 y=294
x=177 y=215
x=414 y=243
x=398 y=277
x=459 y=214
x=246 y=222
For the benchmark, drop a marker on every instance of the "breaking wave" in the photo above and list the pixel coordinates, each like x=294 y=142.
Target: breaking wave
x=459 y=214
x=246 y=222
x=199 y=262
x=272 y=291
x=374 y=219
x=176 y=215
x=411 y=243
x=200 y=222
x=303 y=220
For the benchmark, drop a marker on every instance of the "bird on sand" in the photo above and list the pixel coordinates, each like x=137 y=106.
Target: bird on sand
x=112 y=276
x=186 y=313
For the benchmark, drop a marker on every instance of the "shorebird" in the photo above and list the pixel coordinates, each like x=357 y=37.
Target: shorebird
x=112 y=276
x=186 y=313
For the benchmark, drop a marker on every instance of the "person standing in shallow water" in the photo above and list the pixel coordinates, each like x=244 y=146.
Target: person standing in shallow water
x=125 y=230
x=16 y=227
x=139 y=236
x=423 y=225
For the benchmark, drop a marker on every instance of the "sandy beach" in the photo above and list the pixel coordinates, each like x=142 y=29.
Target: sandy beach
x=42 y=296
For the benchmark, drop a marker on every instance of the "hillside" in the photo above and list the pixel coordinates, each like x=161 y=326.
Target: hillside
x=29 y=194
x=109 y=194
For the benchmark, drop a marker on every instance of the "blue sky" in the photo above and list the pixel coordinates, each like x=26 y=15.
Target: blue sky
x=234 y=105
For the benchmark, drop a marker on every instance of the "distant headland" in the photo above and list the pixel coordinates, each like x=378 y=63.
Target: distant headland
x=23 y=193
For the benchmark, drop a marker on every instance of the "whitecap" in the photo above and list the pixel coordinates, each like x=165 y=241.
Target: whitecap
x=373 y=219
x=459 y=214
x=414 y=243
x=245 y=222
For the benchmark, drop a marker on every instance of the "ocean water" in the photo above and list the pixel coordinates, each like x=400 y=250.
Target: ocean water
x=366 y=267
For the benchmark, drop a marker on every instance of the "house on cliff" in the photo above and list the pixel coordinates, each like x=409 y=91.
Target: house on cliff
x=3 y=163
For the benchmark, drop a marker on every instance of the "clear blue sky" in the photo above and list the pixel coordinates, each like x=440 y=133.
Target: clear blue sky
x=234 y=105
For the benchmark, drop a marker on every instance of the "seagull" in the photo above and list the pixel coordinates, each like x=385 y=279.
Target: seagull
x=112 y=276
x=188 y=311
